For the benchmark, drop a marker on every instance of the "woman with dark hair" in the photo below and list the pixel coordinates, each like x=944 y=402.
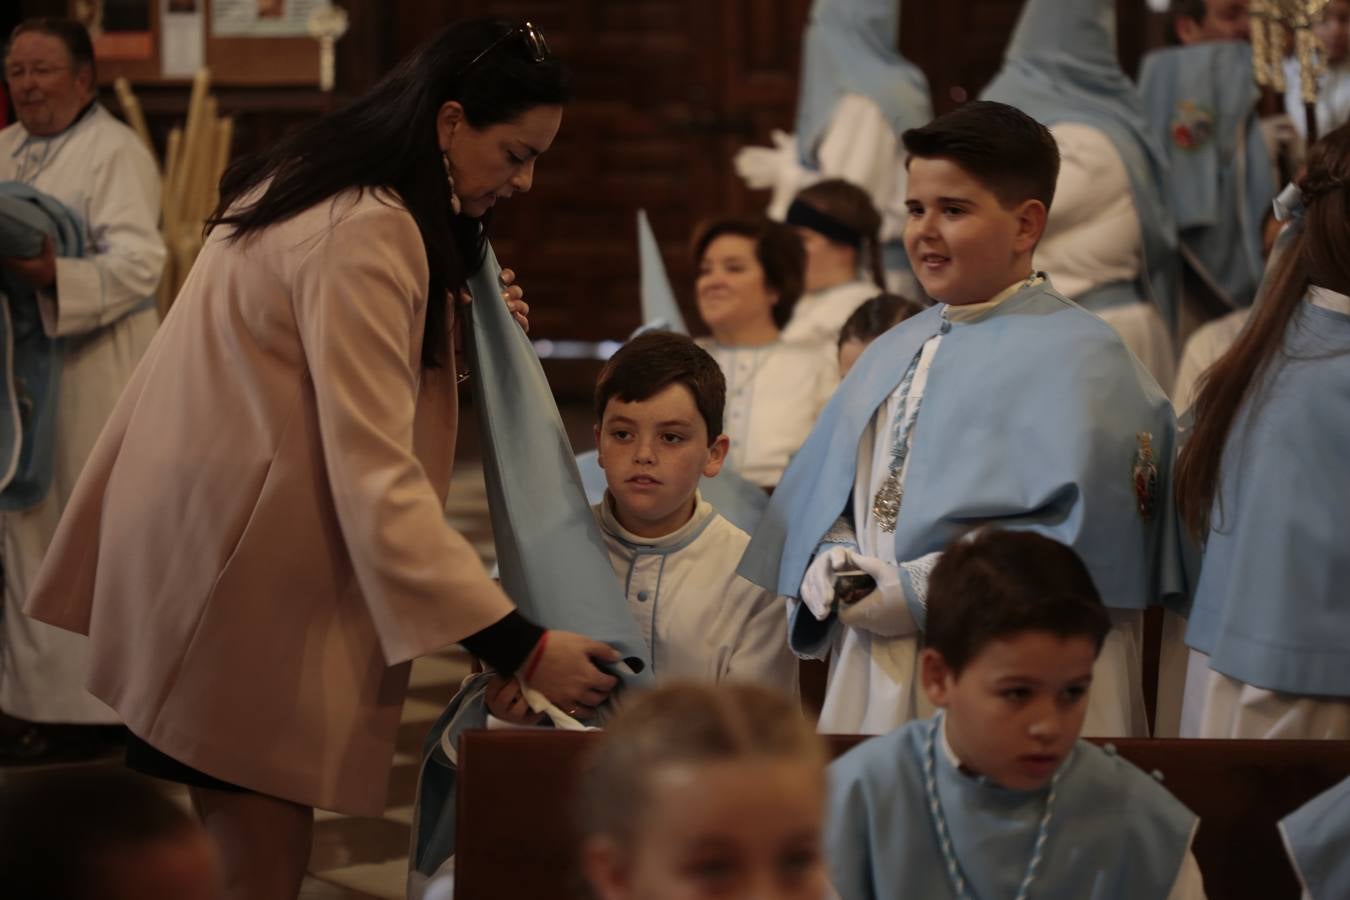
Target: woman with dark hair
x=257 y=547
x=1262 y=483
x=839 y=228
x=750 y=275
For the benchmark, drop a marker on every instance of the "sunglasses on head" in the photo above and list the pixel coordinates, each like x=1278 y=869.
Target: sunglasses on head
x=529 y=34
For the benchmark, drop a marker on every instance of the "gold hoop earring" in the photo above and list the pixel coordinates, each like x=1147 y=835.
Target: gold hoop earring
x=450 y=180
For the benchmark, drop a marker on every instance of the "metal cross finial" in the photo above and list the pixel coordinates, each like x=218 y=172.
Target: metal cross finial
x=1272 y=23
x=326 y=24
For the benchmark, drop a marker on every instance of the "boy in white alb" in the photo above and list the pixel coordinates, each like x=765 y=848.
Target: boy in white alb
x=658 y=407
x=1006 y=403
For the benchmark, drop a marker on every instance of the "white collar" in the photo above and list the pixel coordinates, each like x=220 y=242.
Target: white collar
x=610 y=522
x=971 y=312
x=1328 y=299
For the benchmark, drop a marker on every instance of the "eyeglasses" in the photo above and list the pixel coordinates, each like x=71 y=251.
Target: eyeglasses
x=39 y=70
x=532 y=37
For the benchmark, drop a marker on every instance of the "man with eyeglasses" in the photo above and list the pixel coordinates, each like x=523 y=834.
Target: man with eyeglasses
x=98 y=310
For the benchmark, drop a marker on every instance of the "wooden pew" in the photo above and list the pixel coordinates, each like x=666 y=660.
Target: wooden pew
x=516 y=837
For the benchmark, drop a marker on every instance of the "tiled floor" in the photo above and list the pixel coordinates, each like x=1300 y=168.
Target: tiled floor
x=364 y=858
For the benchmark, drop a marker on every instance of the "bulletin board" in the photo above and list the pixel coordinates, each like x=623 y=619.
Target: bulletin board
x=246 y=43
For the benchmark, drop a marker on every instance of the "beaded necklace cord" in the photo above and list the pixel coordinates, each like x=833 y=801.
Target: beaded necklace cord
x=958 y=879
x=890 y=493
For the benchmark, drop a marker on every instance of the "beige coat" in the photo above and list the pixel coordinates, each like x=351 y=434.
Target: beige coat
x=257 y=546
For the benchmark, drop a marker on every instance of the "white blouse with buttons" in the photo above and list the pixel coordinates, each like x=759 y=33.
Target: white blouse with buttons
x=774 y=394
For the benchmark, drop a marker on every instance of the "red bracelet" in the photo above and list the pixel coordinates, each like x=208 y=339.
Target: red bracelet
x=538 y=655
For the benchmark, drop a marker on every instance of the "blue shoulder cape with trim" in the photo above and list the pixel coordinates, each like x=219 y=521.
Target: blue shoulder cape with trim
x=1115 y=833
x=1272 y=607
x=1031 y=419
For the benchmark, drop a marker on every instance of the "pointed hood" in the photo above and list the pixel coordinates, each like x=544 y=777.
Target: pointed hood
x=552 y=559
x=1061 y=66
x=660 y=310
x=850 y=48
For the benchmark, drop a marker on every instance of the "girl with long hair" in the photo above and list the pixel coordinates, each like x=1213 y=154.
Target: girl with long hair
x=257 y=547
x=1262 y=484
x=840 y=232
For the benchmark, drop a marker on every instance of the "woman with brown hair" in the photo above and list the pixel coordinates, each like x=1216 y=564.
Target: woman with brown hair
x=1262 y=483
x=839 y=228
x=750 y=273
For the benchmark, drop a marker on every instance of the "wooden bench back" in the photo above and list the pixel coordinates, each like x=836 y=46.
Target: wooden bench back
x=517 y=838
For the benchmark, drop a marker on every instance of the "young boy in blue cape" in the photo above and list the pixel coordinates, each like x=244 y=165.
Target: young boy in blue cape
x=996 y=796
x=1003 y=403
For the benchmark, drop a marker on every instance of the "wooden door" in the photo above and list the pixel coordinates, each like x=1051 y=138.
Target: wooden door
x=665 y=92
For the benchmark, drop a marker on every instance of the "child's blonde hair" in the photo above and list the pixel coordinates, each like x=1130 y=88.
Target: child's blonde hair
x=686 y=723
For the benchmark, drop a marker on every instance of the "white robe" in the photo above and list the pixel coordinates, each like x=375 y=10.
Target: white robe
x=101 y=170
x=873 y=680
x=1093 y=237
x=819 y=315
x=701 y=620
x=1333 y=97
x=1203 y=349
x=774 y=394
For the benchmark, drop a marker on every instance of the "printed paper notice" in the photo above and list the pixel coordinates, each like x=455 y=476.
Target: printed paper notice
x=263 y=18
x=181 y=38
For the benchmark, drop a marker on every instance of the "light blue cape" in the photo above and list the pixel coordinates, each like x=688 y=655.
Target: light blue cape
x=1061 y=66
x=1200 y=103
x=552 y=559
x=1272 y=608
x=30 y=361
x=1029 y=420
x=850 y=48
x=1114 y=832
x=1318 y=837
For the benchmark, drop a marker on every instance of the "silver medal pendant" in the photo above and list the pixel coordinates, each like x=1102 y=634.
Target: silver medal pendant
x=886 y=503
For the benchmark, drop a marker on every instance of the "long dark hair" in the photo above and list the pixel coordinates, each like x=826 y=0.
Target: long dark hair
x=386 y=138
x=1319 y=254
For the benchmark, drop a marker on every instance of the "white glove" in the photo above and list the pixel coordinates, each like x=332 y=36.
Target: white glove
x=818 y=583
x=764 y=167
x=884 y=611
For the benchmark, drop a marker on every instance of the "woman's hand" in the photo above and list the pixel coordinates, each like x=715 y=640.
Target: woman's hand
x=512 y=294
x=506 y=702
x=565 y=672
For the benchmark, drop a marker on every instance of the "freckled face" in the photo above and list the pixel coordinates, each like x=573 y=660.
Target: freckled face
x=654 y=452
